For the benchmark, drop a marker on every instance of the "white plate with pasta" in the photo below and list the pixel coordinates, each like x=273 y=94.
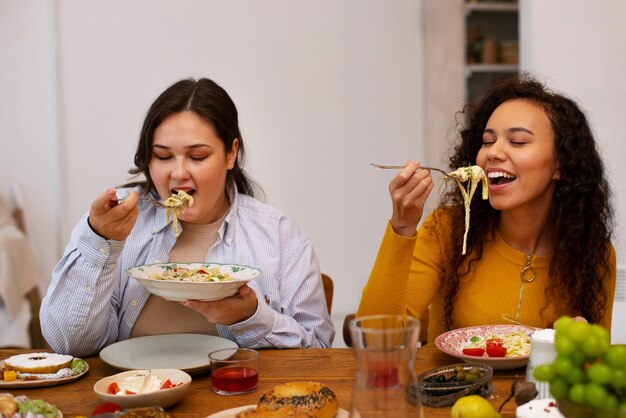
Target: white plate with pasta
x=198 y=281
x=466 y=343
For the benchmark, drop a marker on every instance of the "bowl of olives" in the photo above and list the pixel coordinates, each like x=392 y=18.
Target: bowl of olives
x=444 y=385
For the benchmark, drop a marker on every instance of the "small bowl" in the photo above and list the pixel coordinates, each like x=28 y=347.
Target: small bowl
x=163 y=397
x=445 y=391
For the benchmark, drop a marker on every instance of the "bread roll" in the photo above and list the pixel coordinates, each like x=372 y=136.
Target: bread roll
x=38 y=363
x=268 y=412
x=309 y=397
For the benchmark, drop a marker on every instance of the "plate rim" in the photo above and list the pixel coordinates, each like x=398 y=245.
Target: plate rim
x=258 y=270
x=41 y=383
x=190 y=370
x=499 y=361
x=226 y=413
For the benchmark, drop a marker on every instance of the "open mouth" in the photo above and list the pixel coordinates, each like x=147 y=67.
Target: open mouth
x=190 y=192
x=498 y=178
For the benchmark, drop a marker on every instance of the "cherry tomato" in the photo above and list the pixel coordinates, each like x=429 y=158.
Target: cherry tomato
x=496 y=351
x=478 y=352
x=106 y=407
x=113 y=388
x=495 y=342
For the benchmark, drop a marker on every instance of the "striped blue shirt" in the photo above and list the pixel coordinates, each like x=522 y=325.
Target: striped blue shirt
x=92 y=302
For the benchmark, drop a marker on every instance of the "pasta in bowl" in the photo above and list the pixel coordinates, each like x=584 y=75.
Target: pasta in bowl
x=199 y=281
x=503 y=346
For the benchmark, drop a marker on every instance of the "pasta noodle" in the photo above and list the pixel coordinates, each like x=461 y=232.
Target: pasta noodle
x=177 y=203
x=472 y=175
x=181 y=274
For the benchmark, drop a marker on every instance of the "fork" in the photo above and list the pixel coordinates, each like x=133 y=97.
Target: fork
x=395 y=167
x=147 y=199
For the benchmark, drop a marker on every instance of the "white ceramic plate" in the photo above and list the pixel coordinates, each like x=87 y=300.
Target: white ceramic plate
x=451 y=343
x=188 y=352
x=162 y=398
x=232 y=412
x=39 y=383
x=181 y=290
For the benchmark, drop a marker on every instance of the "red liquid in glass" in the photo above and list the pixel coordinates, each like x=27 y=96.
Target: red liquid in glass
x=235 y=379
x=382 y=375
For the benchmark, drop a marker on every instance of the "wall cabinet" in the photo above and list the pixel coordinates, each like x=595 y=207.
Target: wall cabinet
x=492 y=43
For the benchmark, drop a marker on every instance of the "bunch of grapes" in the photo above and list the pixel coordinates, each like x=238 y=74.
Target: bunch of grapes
x=588 y=370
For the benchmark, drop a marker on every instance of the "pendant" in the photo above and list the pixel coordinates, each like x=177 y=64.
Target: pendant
x=528 y=273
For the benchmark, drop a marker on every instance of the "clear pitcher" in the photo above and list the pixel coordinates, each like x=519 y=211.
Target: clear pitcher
x=384 y=386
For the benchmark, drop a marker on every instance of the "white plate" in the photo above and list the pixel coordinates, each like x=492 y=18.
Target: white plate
x=188 y=352
x=451 y=343
x=163 y=398
x=180 y=290
x=232 y=412
x=39 y=383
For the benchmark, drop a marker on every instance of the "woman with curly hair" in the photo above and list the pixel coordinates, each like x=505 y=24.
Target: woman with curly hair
x=537 y=249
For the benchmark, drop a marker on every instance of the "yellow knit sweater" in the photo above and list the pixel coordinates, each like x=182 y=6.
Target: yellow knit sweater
x=408 y=277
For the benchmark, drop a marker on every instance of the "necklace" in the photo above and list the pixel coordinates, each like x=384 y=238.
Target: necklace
x=528 y=275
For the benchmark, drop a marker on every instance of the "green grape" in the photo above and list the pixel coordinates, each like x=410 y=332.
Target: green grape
x=600 y=373
x=611 y=402
x=579 y=331
x=616 y=356
x=577 y=393
x=618 y=378
x=600 y=332
x=563 y=365
x=562 y=325
x=595 y=346
x=578 y=358
x=559 y=388
x=564 y=345
x=596 y=395
x=576 y=375
x=544 y=372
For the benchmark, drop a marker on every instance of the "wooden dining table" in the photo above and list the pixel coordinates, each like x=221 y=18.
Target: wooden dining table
x=334 y=367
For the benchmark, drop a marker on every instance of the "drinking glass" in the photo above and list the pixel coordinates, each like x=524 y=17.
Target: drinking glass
x=234 y=371
x=385 y=381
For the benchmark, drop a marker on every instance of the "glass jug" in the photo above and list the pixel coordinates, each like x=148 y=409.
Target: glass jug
x=384 y=385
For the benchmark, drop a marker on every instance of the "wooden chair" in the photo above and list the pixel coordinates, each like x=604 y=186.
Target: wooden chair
x=329 y=287
x=423 y=337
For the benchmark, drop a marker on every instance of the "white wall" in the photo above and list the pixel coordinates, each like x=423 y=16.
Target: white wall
x=29 y=152
x=322 y=87
x=579 y=47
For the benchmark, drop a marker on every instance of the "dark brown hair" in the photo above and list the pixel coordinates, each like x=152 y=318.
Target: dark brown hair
x=581 y=211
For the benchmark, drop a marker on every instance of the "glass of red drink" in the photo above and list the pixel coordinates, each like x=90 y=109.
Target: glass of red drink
x=234 y=371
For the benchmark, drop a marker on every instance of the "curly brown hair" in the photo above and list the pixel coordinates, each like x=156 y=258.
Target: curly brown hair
x=581 y=210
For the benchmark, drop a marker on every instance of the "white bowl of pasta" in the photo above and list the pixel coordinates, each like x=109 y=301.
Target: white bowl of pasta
x=197 y=281
x=503 y=346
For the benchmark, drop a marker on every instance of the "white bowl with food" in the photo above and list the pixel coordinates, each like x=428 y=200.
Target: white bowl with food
x=141 y=388
x=198 y=281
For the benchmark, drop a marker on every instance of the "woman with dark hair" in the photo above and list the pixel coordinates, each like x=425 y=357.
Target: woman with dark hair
x=539 y=247
x=190 y=141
